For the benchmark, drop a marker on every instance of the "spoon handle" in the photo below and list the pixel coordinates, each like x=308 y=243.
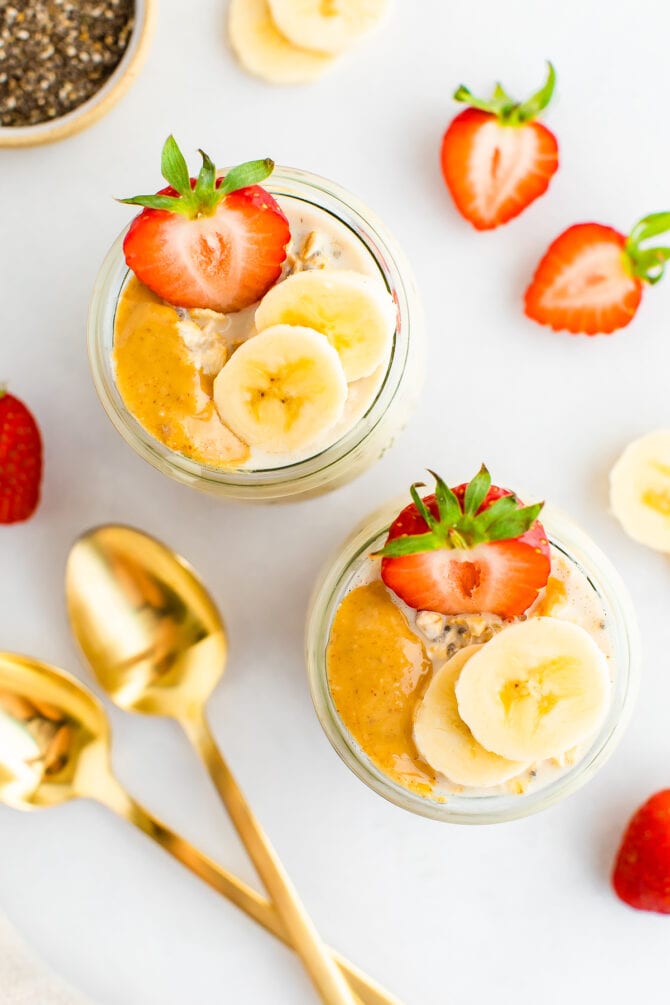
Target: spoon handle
x=320 y=966
x=115 y=798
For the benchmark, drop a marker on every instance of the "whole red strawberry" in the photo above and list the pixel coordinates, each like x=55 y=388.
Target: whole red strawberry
x=210 y=242
x=592 y=277
x=20 y=460
x=471 y=549
x=496 y=159
x=641 y=874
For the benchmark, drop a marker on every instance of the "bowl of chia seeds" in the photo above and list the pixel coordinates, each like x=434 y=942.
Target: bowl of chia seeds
x=64 y=63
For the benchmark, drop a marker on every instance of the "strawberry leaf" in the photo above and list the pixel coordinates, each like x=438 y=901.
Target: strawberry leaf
x=648 y=264
x=500 y=508
x=174 y=168
x=505 y=108
x=477 y=491
x=447 y=503
x=530 y=109
x=498 y=104
x=203 y=199
x=423 y=510
x=650 y=226
x=172 y=203
x=514 y=524
x=463 y=528
x=409 y=544
x=501 y=97
x=251 y=173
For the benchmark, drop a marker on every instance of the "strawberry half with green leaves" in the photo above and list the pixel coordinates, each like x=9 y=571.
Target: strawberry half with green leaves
x=591 y=279
x=20 y=460
x=641 y=874
x=474 y=549
x=496 y=159
x=208 y=242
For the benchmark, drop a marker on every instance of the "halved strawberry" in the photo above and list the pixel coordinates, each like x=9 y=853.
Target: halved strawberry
x=20 y=460
x=591 y=278
x=496 y=159
x=472 y=549
x=641 y=875
x=211 y=242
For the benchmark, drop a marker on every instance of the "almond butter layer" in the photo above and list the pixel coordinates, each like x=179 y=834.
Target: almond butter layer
x=378 y=669
x=161 y=385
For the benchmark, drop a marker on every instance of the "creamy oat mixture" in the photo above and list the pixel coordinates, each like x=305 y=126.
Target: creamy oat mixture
x=378 y=676
x=166 y=358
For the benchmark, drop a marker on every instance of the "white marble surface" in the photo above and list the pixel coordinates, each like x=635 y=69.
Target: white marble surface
x=514 y=913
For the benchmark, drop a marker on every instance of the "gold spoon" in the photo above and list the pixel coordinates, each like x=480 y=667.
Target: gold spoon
x=54 y=747
x=156 y=643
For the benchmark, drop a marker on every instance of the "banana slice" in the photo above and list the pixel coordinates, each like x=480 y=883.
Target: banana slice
x=326 y=25
x=282 y=389
x=537 y=689
x=640 y=490
x=355 y=312
x=263 y=51
x=446 y=743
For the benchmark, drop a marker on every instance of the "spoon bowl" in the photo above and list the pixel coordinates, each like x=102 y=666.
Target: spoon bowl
x=156 y=643
x=54 y=736
x=55 y=745
x=148 y=628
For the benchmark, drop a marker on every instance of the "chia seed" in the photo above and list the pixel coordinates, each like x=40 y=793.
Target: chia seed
x=55 y=54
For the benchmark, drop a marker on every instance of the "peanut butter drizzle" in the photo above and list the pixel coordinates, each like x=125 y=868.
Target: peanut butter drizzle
x=161 y=386
x=377 y=670
x=555 y=594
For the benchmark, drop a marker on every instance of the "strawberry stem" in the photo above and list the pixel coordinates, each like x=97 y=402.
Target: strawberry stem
x=456 y=540
x=648 y=264
x=207 y=176
x=202 y=196
x=508 y=111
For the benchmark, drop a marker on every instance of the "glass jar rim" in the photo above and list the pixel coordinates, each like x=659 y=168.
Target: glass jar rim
x=334 y=582
x=396 y=273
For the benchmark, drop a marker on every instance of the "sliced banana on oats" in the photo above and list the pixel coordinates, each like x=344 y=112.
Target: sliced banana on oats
x=534 y=691
x=326 y=25
x=282 y=389
x=640 y=490
x=446 y=743
x=355 y=312
x=265 y=52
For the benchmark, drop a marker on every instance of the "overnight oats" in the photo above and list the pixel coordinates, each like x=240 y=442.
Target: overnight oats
x=468 y=660
x=255 y=333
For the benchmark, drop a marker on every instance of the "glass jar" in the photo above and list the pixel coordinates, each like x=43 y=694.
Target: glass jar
x=357 y=449
x=336 y=580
